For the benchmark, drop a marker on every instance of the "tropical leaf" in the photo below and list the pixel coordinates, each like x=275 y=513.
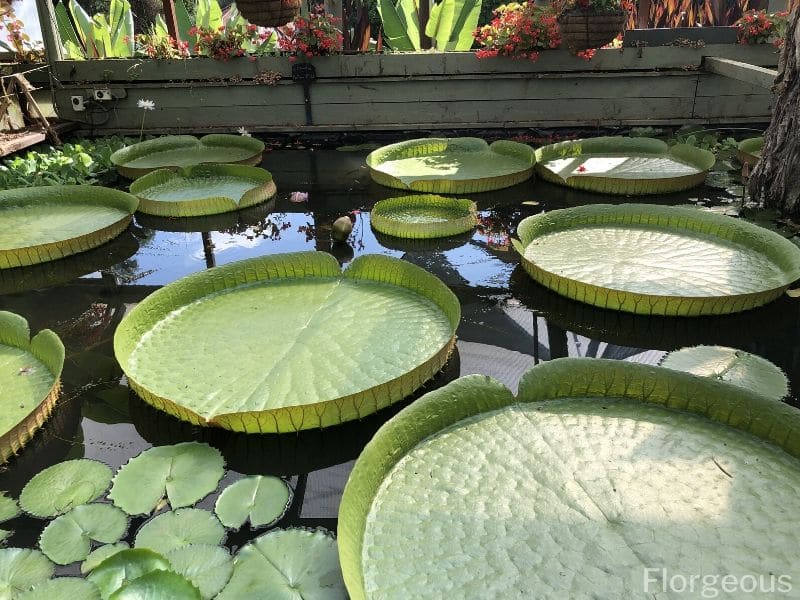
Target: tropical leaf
x=123 y=567
x=291 y=563
x=261 y=499
x=85 y=28
x=207 y=567
x=184 y=21
x=176 y=529
x=451 y=165
x=157 y=585
x=121 y=34
x=63 y=588
x=596 y=467
x=657 y=260
x=175 y=151
x=63 y=486
x=732 y=366
x=21 y=570
x=100 y=554
x=400 y=24
x=67 y=32
x=280 y=380
x=45 y=223
x=185 y=473
x=29 y=380
x=69 y=538
x=208 y=14
x=621 y=165
x=452 y=23
x=202 y=190
x=424 y=216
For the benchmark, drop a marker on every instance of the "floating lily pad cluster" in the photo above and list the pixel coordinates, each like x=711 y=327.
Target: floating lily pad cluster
x=177 y=553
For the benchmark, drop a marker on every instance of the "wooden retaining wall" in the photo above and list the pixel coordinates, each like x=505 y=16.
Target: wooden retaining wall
x=421 y=91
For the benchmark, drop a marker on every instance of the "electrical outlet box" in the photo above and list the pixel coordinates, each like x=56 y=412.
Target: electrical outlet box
x=103 y=95
x=78 y=103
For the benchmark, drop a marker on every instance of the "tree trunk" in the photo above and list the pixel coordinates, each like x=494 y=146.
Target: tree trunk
x=775 y=181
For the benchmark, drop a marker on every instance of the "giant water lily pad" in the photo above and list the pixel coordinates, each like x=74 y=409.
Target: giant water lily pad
x=202 y=190
x=620 y=165
x=29 y=380
x=40 y=224
x=423 y=216
x=451 y=165
x=175 y=151
x=657 y=260
x=288 y=342
x=595 y=471
x=749 y=151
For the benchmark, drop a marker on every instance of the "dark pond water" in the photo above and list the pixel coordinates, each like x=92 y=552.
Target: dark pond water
x=509 y=323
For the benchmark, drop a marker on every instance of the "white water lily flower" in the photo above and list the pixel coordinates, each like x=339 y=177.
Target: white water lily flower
x=146 y=104
x=244 y=132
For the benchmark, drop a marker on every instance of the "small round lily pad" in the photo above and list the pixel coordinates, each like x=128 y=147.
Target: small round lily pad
x=64 y=486
x=423 y=216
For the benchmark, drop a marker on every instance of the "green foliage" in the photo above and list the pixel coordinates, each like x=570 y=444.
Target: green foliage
x=175 y=529
x=97 y=556
x=68 y=538
x=124 y=567
x=21 y=570
x=263 y=499
x=63 y=486
x=156 y=585
x=63 y=588
x=208 y=567
x=450 y=25
x=81 y=162
x=100 y=36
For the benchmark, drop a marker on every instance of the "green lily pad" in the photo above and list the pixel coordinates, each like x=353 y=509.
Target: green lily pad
x=207 y=567
x=8 y=510
x=100 y=554
x=451 y=165
x=620 y=165
x=321 y=347
x=29 y=381
x=158 y=585
x=749 y=151
x=202 y=190
x=40 y=224
x=184 y=472
x=287 y=563
x=182 y=527
x=21 y=570
x=732 y=366
x=424 y=216
x=176 y=151
x=63 y=588
x=657 y=260
x=65 y=485
x=597 y=469
x=69 y=538
x=125 y=566
x=263 y=499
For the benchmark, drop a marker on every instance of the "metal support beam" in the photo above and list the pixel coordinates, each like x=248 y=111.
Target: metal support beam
x=740 y=71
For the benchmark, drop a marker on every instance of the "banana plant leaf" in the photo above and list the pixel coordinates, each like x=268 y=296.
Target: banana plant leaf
x=451 y=165
x=424 y=216
x=175 y=151
x=30 y=371
x=657 y=260
x=40 y=224
x=595 y=470
x=202 y=190
x=749 y=151
x=400 y=24
x=626 y=166
x=288 y=342
x=452 y=23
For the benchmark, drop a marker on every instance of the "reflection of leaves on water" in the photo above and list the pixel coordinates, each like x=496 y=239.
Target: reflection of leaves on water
x=268 y=228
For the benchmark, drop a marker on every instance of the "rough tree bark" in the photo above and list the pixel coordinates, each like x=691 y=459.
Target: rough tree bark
x=775 y=181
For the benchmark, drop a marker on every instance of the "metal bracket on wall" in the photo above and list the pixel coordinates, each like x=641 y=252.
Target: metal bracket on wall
x=305 y=73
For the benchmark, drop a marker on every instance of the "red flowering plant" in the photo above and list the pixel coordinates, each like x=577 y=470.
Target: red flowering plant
x=154 y=45
x=761 y=27
x=236 y=38
x=519 y=31
x=17 y=41
x=314 y=35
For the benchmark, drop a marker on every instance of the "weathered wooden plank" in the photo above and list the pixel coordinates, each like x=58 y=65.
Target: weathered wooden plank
x=713 y=85
x=740 y=71
x=740 y=106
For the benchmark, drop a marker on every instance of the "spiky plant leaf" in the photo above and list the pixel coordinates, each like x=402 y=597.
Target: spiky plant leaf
x=451 y=165
x=8 y=508
x=63 y=588
x=22 y=569
x=125 y=566
x=185 y=472
x=386 y=327
x=208 y=567
x=424 y=216
x=731 y=366
x=657 y=260
x=287 y=563
x=64 y=486
x=175 y=529
x=158 y=585
x=263 y=499
x=100 y=554
x=69 y=538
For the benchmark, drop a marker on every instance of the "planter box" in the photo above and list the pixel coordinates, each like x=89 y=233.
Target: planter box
x=631 y=86
x=677 y=36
